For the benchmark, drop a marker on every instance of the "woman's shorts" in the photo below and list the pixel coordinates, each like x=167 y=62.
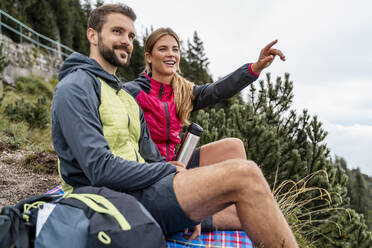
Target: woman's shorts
x=194 y=160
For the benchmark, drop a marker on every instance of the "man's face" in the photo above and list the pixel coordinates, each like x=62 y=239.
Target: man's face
x=115 y=41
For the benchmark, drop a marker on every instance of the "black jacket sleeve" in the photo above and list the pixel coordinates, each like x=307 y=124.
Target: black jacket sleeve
x=210 y=94
x=82 y=148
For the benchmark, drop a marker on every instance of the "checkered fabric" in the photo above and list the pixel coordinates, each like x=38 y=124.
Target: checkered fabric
x=56 y=190
x=216 y=239
x=225 y=239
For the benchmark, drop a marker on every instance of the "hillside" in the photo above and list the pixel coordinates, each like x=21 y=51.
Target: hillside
x=322 y=200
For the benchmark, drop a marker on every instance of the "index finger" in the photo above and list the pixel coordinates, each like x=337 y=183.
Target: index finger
x=268 y=46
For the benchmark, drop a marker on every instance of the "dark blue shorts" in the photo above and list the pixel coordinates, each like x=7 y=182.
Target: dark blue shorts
x=160 y=200
x=194 y=160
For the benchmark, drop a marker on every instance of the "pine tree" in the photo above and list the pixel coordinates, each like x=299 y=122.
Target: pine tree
x=290 y=146
x=194 y=64
x=87 y=7
x=43 y=23
x=80 y=43
x=63 y=11
x=17 y=9
x=358 y=203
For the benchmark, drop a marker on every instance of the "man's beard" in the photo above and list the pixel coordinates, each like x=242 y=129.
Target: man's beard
x=110 y=56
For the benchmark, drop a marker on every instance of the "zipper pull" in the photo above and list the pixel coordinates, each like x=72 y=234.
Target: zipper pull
x=161 y=91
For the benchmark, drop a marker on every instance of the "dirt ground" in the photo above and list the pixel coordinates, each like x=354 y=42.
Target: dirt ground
x=24 y=174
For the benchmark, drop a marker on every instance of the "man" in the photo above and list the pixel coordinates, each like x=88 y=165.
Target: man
x=101 y=139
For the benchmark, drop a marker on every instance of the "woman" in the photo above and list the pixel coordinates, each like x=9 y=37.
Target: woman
x=167 y=98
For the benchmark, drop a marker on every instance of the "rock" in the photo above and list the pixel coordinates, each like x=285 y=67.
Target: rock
x=26 y=60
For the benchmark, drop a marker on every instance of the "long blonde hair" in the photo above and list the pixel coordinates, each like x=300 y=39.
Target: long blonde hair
x=182 y=88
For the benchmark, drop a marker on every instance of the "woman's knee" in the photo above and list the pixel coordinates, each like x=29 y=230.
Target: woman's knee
x=222 y=150
x=235 y=147
x=248 y=174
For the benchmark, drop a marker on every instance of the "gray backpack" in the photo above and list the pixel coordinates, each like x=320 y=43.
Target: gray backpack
x=94 y=217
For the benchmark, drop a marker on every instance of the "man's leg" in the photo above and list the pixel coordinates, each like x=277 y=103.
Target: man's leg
x=204 y=191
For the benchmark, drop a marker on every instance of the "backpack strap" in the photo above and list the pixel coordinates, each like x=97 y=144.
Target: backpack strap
x=101 y=205
x=18 y=230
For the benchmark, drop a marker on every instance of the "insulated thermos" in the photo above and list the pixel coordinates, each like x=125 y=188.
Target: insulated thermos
x=189 y=143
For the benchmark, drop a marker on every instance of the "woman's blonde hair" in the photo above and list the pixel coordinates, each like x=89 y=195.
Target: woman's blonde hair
x=182 y=88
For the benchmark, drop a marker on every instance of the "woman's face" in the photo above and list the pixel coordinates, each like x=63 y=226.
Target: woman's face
x=165 y=56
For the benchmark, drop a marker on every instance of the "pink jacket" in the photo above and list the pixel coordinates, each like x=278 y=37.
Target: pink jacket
x=157 y=101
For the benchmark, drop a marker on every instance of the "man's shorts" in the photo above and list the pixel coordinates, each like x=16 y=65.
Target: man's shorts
x=160 y=200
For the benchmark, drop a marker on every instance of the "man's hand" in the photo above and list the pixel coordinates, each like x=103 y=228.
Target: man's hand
x=195 y=234
x=180 y=166
x=266 y=57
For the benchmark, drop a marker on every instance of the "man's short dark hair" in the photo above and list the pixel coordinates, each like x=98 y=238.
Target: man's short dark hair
x=98 y=16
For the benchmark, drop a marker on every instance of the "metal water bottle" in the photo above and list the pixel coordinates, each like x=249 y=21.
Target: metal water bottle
x=189 y=143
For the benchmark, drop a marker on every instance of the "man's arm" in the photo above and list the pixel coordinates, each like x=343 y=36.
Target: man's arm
x=75 y=111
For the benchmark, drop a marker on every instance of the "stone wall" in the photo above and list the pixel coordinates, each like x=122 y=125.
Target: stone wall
x=26 y=60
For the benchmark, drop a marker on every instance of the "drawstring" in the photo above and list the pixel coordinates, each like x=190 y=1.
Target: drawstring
x=27 y=207
x=118 y=84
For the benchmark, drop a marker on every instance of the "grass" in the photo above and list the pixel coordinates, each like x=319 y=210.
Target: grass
x=18 y=135
x=9 y=161
x=298 y=211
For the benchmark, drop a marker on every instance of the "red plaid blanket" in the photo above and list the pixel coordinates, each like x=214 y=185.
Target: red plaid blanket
x=225 y=239
x=220 y=239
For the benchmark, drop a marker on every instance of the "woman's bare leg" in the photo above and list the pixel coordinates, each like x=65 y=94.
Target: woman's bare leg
x=218 y=151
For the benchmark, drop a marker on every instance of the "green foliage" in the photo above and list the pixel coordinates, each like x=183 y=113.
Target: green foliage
x=80 y=42
x=18 y=134
x=87 y=7
x=12 y=140
x=44 y=22
x=359 y=187
x=17 y=9
x=280 y=140
x=72 y=19
x=65 y=20
x=34 y=85
x=194 y=63
x=36 y=115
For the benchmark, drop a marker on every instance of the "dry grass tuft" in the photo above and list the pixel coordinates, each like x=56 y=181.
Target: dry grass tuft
x=295 y=201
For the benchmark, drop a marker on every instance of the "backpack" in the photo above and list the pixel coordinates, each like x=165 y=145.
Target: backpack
x=17 y=223
x=92 y=217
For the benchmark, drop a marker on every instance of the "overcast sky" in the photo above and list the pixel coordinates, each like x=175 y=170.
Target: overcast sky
x=327 y=45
